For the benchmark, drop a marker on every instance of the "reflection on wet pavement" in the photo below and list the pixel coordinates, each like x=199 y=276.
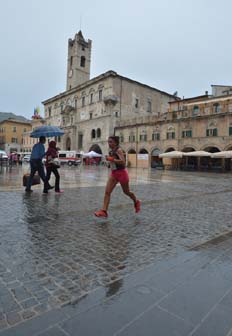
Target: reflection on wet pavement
x=53 y=250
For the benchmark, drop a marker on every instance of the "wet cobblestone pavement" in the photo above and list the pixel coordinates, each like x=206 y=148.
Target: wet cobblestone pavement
x=53 y=251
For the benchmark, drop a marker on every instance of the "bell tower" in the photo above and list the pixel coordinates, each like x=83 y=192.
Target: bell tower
x=79 y=59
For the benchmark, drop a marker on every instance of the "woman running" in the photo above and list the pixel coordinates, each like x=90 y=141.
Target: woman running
x=118 y=174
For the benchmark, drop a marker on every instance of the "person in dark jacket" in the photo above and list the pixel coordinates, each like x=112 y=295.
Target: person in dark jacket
x=52 y=167
x=37 y=154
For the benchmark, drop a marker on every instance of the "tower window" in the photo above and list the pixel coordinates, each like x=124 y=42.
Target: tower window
x=98 y=132
x=82 y=61
x=83 y=101
x=149 y=106
x=100 y=95
x=93 y=134
x=136 y=103
x=71 y=61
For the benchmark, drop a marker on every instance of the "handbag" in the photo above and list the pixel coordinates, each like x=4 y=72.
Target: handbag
x=55 y=162
x=35 y=180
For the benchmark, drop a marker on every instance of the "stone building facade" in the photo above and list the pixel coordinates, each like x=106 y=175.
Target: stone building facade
x=12 y=128
x=198 y=123
x=90 y=109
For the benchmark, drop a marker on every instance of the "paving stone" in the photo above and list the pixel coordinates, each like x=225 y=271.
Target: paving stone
x=8 y=304
x=27 y=314
x=29 y=303
x=41 y=308
x=3 y=324
x=20 y=293
x=13 y=318
x=3 y=290
x=55 y=331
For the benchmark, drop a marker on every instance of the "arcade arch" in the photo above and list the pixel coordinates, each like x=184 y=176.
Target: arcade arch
x=156 y=162
x=169 y=149
x=143 y=151
x=95 y=148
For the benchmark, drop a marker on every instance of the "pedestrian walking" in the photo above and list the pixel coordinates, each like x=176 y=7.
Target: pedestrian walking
x=36 y=164
x=118 y=175
x=52 y=167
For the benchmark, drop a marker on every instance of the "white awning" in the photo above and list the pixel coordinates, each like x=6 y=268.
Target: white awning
x=171 y=155
x=223 y=154
x=197 y=153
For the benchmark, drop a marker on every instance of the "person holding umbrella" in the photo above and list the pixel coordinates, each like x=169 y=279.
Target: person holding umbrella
x=36 y=164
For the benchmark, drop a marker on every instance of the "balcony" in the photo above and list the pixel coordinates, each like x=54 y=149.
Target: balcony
x=111 y=100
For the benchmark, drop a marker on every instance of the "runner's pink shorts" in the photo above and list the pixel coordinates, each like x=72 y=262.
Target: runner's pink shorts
x=121 y=175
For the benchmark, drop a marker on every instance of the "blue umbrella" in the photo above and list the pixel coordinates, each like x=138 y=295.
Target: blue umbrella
x=47 y=131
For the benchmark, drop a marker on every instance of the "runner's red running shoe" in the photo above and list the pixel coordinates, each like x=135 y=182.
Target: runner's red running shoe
x=137 y=206
x=101 y=213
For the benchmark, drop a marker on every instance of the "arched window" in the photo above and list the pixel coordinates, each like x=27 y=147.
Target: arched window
x=82 y=61
x=91 y=96
x=216 y=107
x=121 y=137
x=98 y=133
x=62 y=105
x=195 y=110
x=170 y=133
x=93 y=134
x=132 y=137
x=143 y=135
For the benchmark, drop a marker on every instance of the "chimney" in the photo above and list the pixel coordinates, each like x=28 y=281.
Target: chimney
x=206 y=93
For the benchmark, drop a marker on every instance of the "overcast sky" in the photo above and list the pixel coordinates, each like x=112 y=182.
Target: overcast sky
x=172 y=45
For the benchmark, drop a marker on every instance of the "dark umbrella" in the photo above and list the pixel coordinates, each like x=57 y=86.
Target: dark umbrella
x=47 y=131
